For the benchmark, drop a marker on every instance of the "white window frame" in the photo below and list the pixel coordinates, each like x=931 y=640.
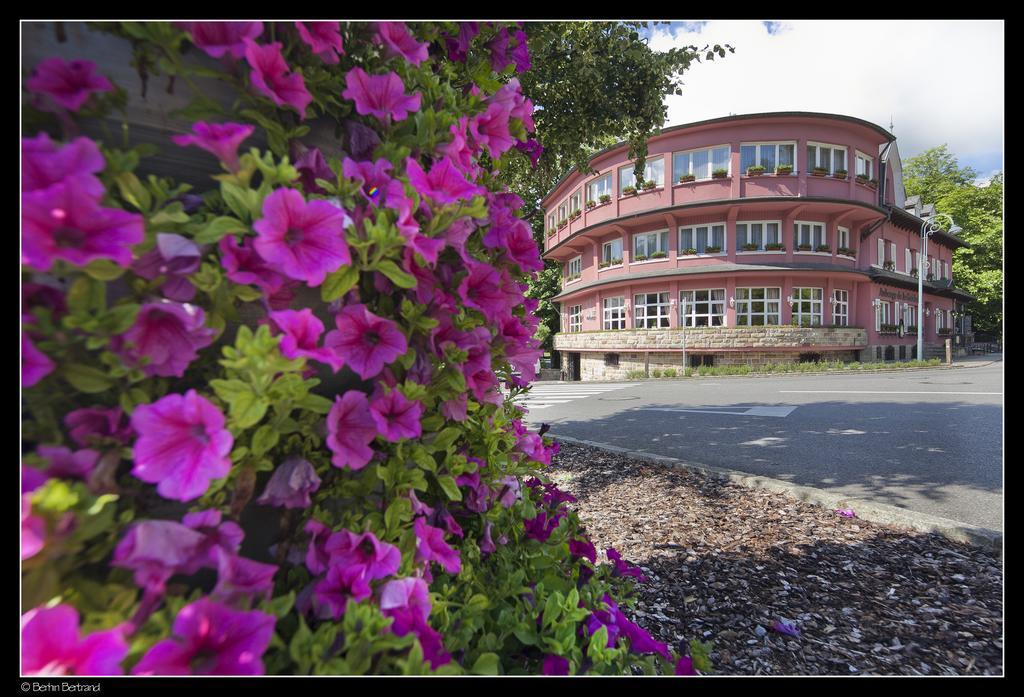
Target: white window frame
x=881 y=315
x=880 y=250
x=605 y=256
x=613 y=313
x=798 y=235
x=764 y=234
x=563 y=211
x=939 y=319
x=662 y=235
x=594 y=193
x=831 y=169
x=576 y=201
x=869 y=162
x=815 y=306
x=892 y=254
x=841 y=309
x=552 y=223
x=709 y=233
x=842 y=237
x=710 y=149
x=908 y=260
x=709 y=304
x=758 y=157
x=642 y=318
x=575 y=318
x=745 y=313
x=945 y=270
x=647 y=172
x=574 y=263
x=909 y=315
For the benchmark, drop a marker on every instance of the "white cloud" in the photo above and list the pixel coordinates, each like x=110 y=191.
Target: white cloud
x=939 y=81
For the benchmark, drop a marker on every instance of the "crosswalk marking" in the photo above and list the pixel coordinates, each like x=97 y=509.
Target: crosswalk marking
x=542 y=396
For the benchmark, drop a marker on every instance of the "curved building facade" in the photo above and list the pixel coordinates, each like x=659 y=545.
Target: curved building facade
x=752 y=239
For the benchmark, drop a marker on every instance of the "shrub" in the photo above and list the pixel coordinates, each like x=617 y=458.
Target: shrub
x=181 y=396
x=669 y=372
x=635 y=374
x=656 y=373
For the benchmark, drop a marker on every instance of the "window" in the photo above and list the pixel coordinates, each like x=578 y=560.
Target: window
x=767 y=155
x=892 y=255
x=600 y=187
x=700 y=163
x=611 y=252
x=864 y=165
x=909 y=315
x=843 y=237
x=807 y=307
x=551 y=221
x=809 y=234
x=654 y=170
x=881 y=315
x=760 y=233
x=841 y=308
x=939 y=317
x=614 y=313
x=907 y=261
x=649 y=243
x=650 y=310
x=563 y=212
x=756 y=307
x=700 y=237
x=945 y=270
x=702 y=308
x=575 y=202
x=611 y=360
x=575 y=318
x=574 y=268
x=830 y=157
x=881 y=251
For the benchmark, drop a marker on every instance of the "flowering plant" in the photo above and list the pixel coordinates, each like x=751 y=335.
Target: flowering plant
x=604 y=198
x=270 y=426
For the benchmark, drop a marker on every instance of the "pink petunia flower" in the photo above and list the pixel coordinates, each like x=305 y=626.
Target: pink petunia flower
x=397 y=41
x=380 y=95
x=174 y=257
x=684 y=666
x=35 y=365
x=238 y=577
x=371 y=176
x=445 y=184
x=211 y=639
x=97 y=422
x=555 y=665
x=182 y=445
x=407 y=602
x=303 y=240
x=430 y=546
x=290 y=485
x=245 y=266
x=341 y=584
x=170 y=334
x=219 y=38
x=50 y=645
x=301 y=333
x=64 y=221
x=458 y=47
x=397 y=417
x=33 y=527
x=498 y=46
x=270 y=76
x=219 y=139
x=216 y=534
x=365 y=341
x=65 y=464
x=490 y=129
x=521 y=53
x=347 y=548
x=350 y=430
x=312 y=166
x=155 y=550
x=68 y=84
x=324 y=38
x=44 y=163
x=316 y=553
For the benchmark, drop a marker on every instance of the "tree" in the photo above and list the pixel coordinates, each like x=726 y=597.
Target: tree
x=936 y=176
x=593 y=84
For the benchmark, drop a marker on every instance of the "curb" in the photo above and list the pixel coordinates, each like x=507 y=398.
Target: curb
x=764 y=375
x=985 y=538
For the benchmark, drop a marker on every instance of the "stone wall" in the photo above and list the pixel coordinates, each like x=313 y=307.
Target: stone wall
x=592 y=365
x=710 y=338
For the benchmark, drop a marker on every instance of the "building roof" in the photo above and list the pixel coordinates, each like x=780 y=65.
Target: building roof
x=908 y=220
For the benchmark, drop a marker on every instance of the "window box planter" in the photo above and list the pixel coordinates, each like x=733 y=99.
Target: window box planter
x=784 y=169
x=775 y=247
x=691 y=252
x=889 y=329
x=755 y=171
x=551 y=233
x=562 y=223
x=712 y=250
x=823 y=248
x=629 y=191
x=575 y=214
x=839 y=174
x=913 y=272
x=687 y=178
x=931 y=277
x=640 y=257
x=889 y=266
x=591 y=204
x=750 y=247
x=819 y=172
x=604 y=198
x=912 y=329
x=606 y=264
x=570 y=279
x=659 y=255
x=720 y=174
x=648 y=185
x=846 y=251
x=803 y=248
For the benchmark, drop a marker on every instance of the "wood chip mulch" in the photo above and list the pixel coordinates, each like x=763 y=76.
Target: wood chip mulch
x=725 y=562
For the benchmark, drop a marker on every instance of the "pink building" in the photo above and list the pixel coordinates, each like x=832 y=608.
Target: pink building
x=814 y=256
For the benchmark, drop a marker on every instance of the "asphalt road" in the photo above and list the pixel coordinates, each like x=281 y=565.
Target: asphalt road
x=926 y=440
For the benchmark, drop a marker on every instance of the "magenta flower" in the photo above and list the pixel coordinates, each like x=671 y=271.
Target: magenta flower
x=457 y=47
x=312 y=166
x=341 y=584
x=35 y=295
x=155 y=550
x=65 y=464
x=96 y=422
x=350 y=430
x=396 y=417
x=541 y=527
x=482 y=290
x=270 y=76
x=444 y=184
x=219 y=139
x=379 y=559
x=182 y=445
x=68 y=84
x=397 y=41
x=624 y=569
x=238 y=577
x=371 y=176
x=50 y=645
x=211 y=639
x=63 y=221
x=555 y=665
x=245 y=266
x=303 y=240
x=365 y=341
x=584 y=549
x=533 y=149
x=498 y=46
x=170 y=334
x=430 y=546
x=324 y=38
x=219 y=38
x=521 y=54
x=290 y=485
x=316 y=554
x=684 y=666
x=301 y=334
x=174 y=257
x=380 y=95
x=217 y=534
x=490 y=129
x=33 y=528
x=407 y=601
x=787 y=627
x=35 y=365
x=44 y=163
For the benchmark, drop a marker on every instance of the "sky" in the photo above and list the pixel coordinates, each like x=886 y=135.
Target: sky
x=935 y=81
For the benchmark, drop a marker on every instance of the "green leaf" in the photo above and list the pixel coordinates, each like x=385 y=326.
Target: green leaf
x=120 y=318
x=104 y=270
x=264 y=439
x=133 y=191
x=398 y=512
x=173 y=213
x=451 y=489
x=217 y=228
x=237 y=199
x=446 y=437
x=486 y=664
x=396 y=275
x=86 y=295
x=281 y=605
x=315 y=403
x=86 y=378
x=338 y=283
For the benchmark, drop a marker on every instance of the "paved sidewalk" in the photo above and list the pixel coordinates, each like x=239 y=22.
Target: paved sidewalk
x=979 y=361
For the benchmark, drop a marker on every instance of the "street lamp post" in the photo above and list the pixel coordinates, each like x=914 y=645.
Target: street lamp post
x=928 y=228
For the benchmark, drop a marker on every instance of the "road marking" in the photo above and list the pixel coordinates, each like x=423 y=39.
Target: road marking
x=544 y=396
x=778 y=412
x=877 y=392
